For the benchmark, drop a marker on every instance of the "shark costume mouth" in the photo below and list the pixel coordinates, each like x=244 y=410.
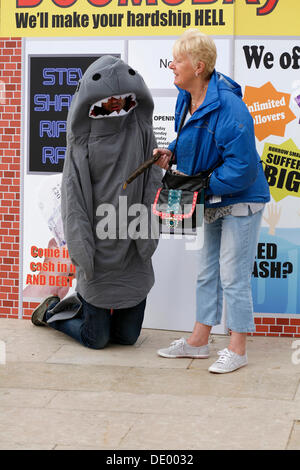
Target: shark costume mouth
x=112 y=106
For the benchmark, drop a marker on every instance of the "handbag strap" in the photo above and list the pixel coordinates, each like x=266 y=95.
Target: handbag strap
x=180 y=127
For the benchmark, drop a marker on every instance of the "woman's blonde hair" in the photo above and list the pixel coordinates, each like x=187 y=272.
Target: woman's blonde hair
x=199 y=47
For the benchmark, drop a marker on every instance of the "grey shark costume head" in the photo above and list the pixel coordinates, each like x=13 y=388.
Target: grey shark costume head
x=109 y=134
x=108 y=77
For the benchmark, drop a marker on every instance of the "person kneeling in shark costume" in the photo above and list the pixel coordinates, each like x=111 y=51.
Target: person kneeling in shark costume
x=109 y=134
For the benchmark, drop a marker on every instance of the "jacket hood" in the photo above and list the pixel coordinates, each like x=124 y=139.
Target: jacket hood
x=218 y=83
x=227 y=84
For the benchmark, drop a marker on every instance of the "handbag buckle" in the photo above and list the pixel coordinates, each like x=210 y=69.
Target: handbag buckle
x=171 y=220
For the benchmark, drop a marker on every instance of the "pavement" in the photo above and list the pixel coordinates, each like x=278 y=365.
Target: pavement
x=56 y=394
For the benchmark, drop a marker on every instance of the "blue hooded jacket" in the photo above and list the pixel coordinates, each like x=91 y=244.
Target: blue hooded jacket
x=221 y=131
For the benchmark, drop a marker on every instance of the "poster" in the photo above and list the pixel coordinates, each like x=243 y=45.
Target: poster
x=269 y=70
x=53 y=81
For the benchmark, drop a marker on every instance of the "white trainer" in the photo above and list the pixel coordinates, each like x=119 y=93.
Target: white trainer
x=228 y=362
x=180 y=348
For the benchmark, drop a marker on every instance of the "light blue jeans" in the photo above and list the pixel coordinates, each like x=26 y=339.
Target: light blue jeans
x=225 y=265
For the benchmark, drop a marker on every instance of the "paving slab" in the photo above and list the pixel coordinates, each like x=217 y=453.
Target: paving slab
x=294 y=439
x=225 y=425
x=36 y=375
x=46 y=427
x=115 y=355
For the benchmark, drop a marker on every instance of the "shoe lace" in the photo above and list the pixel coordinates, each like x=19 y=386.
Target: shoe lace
x=178 y=342
x=224 y=354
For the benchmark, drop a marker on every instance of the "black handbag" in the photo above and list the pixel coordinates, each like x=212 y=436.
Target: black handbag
x=179 y=203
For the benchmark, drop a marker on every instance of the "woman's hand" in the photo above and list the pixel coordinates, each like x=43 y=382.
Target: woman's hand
x=163 y=161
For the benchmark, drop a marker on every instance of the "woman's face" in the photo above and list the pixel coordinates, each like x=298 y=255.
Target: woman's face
x=183 y=70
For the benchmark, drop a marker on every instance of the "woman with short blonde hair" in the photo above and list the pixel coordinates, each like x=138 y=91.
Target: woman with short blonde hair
x=218 y=132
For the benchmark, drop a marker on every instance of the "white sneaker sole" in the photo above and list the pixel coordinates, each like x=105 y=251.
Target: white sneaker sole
x=172 y=356
x=220 y=371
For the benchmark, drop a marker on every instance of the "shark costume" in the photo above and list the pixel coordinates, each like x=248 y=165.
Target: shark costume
x=102 y=150
x=109 y=134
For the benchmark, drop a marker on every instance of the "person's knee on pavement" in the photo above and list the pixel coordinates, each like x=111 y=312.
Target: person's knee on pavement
x=127 y=340
x=95 y=342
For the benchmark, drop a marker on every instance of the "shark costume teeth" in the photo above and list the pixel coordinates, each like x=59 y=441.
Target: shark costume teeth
x=104 y=108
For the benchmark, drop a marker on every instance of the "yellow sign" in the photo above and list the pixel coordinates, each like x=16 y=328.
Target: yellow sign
x=34 y=18
x=114 y=17
x=282 y=169
x=270 y=18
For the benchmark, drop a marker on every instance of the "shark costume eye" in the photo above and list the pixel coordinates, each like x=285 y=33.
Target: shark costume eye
x=97 y=76
x=131 y=72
